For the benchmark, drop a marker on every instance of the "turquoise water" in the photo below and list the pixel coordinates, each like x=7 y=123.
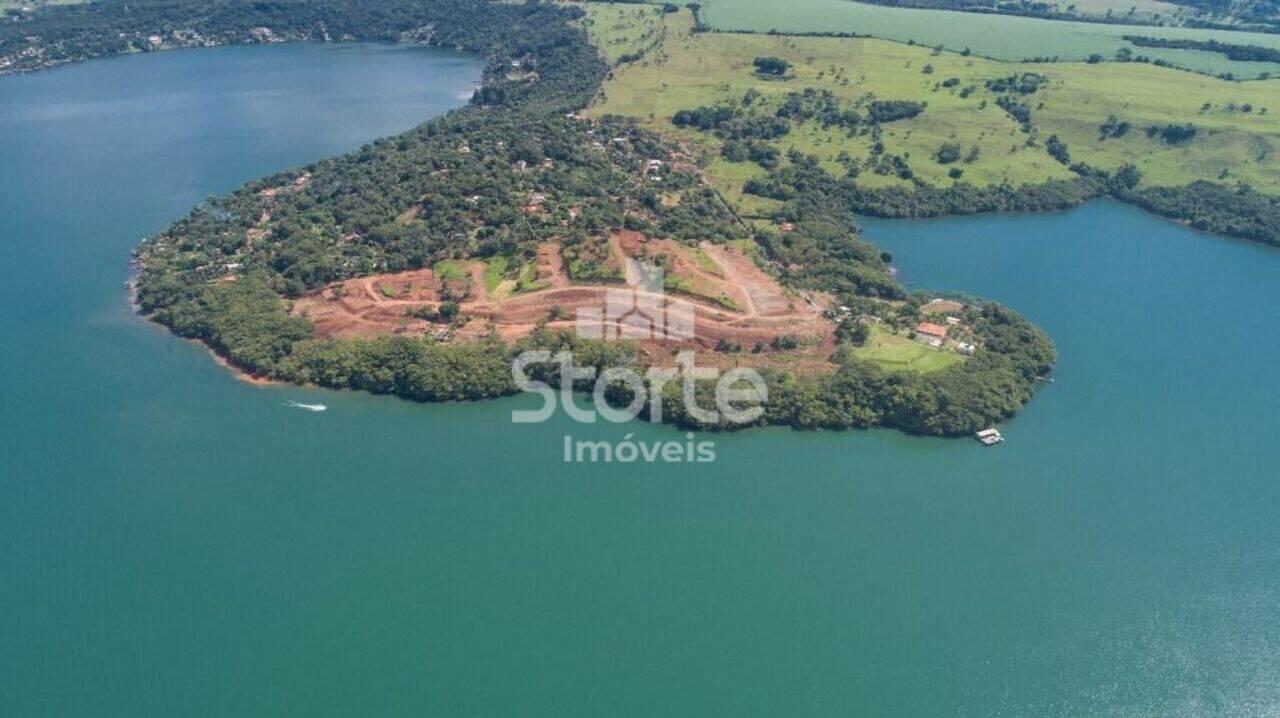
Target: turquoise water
x=176 y=542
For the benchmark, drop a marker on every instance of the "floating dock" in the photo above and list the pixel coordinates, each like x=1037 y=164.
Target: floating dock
x=989 y=437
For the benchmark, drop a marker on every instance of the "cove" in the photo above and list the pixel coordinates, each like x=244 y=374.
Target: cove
x=176 y=542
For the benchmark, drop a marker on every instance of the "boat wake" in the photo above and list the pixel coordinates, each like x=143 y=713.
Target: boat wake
x=308 y=407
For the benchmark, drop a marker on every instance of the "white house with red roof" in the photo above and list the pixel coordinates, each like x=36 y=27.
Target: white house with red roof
x=932 y=334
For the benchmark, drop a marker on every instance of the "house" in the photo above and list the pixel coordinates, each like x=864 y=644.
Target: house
x=786 y=227
x=531 y=208
x=966 y=348
x=932 y=334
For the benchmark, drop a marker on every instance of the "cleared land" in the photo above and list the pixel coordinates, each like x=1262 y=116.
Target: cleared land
x=1237 y=134
x=757 y=312
x=894 y=352
x=1003 y=37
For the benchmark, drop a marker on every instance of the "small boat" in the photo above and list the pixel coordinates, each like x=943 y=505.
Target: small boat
x=308 y=407
x=989 y=437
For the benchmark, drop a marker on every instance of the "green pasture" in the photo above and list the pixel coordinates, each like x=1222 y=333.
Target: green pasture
x=1002 y=37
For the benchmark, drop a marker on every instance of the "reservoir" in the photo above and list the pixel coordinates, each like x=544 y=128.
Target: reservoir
x=174 y=541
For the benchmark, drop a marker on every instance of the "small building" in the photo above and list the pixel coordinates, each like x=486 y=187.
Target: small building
x=787 y=227
x=932 y=334
x=531 y=208
x=966 y=348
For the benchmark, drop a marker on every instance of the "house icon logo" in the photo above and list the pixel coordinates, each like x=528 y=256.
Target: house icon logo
x=640 y=311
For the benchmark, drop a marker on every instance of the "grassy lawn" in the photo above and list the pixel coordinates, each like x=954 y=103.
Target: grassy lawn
x=528 y=280
x=705 y=262
x=898 y=353
x=495 y=271
x=1003 y=37
x=690 y=70
x=449 y=271
x=623 y=29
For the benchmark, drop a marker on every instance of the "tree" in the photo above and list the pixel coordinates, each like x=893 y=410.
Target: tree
x=1057 y=150
x=774 y=66
x=949 y=152
x=1128 y=176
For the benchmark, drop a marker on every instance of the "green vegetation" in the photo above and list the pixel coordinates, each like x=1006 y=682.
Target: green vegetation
x=624 y=32
x=528 y=280
x=1222 y=14
x=893 y=352
x=1001 y=117
x=449 y=271
x=1002 y=37
x=491 y=181
x=771 y=66
x=705 y=262
x=1240 y=53
x=495 y=272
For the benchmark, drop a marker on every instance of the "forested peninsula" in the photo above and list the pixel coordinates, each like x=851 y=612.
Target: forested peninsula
x=487 y=189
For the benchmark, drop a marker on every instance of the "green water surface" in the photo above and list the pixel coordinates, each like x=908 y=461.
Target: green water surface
x=174 y=542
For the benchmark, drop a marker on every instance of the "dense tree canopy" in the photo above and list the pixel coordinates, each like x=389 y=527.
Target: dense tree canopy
x=460 y=187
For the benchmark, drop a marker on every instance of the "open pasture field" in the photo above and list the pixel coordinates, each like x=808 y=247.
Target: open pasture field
x=1074 y=101
x=623 y=29
x=1002 y=37
x=893 y=352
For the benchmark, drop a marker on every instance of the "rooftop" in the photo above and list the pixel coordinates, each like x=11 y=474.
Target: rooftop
x=933 y=330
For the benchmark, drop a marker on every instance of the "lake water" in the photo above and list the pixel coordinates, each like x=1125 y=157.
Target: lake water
x=176 y=542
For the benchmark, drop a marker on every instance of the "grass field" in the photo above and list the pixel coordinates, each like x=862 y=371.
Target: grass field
x=449 y=271
x=892 y=352
x=689 y=70
x=1003 y=37
x=624 y=29
x=495 y=271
